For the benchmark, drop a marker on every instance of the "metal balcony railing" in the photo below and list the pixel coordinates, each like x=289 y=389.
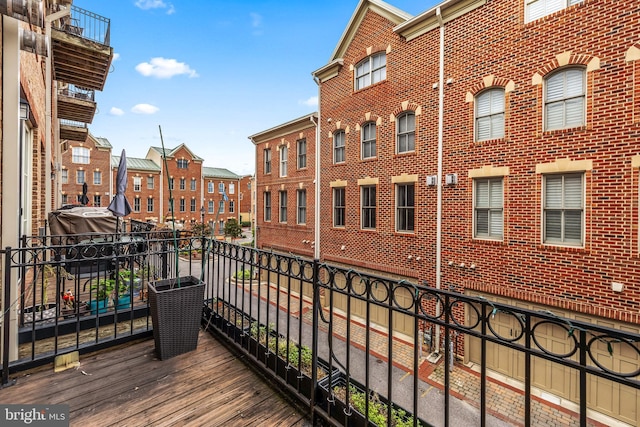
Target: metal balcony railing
x=76 y=92
x=85 y=24
x=73 y=123
x=329 y=335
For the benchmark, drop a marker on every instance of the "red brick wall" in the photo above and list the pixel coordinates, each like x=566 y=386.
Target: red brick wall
x=494 y=40
x=288 y=236
x=193 y=171
x=144 y=194
x=100 y=160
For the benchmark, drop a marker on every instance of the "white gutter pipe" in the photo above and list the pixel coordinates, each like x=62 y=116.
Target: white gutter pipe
x=440 y=150
x=316 y=213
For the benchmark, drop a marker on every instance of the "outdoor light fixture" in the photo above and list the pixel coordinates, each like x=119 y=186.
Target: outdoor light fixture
x=24 y=109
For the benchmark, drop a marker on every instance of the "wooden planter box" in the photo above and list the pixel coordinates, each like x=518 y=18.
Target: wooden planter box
x=176 y=313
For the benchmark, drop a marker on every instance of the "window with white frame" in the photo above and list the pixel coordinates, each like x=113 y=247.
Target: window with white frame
x=267 y=160
x=371 y=70
x=183 y=205
x=368 y=203
x=65 y=199
x=150 y=183
x=564 y=103
x=368 y=140
x=563 y=208
x=232 y=188
x=97 y=177
x=80 y=178
x=338 y=207
x=136 y=204
x=193 y=184
x=193 y=205
x=183 y=163
x=65 y=176
x=221 y=187
x=302 y=207
x=150 y=204
x=490 y=114
x=171 y=183
x=284 y=154
x=183 y=184
x=406 y=132
x=221 y=206
x=232 y=206
x=338 y=146
x=536 y=9
x=488 y=208
x=405 y=207
x=267 y=205
x=210 y=206
x=80 y=155
x=137 y=183
x=302 y=153
x=210 y=187
x=283 y=206
x=97 y=200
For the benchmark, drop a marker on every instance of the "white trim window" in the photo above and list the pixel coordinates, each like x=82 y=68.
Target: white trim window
x=488 y=209
x=302 y=153
x=563 y=209
x=339 y=206
x=564 y=99
x=267 y=206
x=210 y=187
x=221 y=187
x=136 y=204
x=150 y=183
x=406 y=132
x=368 y=210
x=283 y=206
x=80 y=155
x=490 y=114
x=137 y=183
x=183 y=163
x=210 y=206
x=97 y=177
x=302 y=207
x=149 y=204
x=284 y=154
x=368 y=134
x=232 y=188
x=80 y=177
x=267 y=160
x=405 y=207
x=97 y=200
x=183 y=184
x=65 y=176
x=536 y=9
x=338 y=146
x=371 y=70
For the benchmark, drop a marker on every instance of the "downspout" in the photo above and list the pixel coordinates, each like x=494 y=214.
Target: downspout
x=440 y=150
x=48 y=116
x=316 y=209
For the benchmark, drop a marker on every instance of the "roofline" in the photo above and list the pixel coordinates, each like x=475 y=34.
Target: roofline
x=428 y=20
x=300 y=123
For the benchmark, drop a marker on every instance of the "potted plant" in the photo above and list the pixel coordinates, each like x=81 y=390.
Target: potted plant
x=176 y=304
x=122 y=298
x=43 y=312
x=101 y=291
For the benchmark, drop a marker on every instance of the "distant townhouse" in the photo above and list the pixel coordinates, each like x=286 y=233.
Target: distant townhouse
x=285 y=173
x=486 y=147
x=221 y=197
x=247 y=207
x=144 y=188
x=89 y=163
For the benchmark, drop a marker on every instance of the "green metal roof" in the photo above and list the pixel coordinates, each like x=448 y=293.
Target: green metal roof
x=218 y=173
x=102 y=142
x=136 y=164
x=171 y=151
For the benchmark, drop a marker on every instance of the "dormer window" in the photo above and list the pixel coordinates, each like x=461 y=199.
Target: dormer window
x=183 y=163
x=372 y=69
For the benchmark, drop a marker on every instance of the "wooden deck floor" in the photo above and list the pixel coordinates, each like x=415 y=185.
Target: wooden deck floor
x=129 y=386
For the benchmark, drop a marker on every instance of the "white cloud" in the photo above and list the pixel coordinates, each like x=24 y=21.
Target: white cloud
x=156 y=4
x=144 y=109
x=115 y=111
x=116 y=56
x=256 y=23
x=164 y=68
x=310 y=102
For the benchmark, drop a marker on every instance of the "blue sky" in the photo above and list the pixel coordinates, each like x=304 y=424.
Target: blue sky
x=212 y=72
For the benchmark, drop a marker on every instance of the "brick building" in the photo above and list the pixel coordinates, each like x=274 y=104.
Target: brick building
x=90 y=162
x=144 y=188
x=488 y=147
x=285 y=193
x=221 y=197
x=245 y=193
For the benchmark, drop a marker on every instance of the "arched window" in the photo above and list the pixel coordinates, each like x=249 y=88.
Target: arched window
x=490 y=114
x=370 y=70
x=564 y=99
x=406 y=132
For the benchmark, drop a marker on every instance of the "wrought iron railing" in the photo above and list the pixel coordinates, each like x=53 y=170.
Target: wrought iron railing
x=73 y=91
x=73 y=123
x=349 y=345
x=85 y=24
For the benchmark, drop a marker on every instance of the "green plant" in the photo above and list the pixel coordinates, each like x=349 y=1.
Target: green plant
x=232 y=228
x=243 y=274
x=106 y=288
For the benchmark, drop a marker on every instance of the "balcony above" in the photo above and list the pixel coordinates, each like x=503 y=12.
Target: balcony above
x=81 y=52
x=77 y=104
x=72 y=130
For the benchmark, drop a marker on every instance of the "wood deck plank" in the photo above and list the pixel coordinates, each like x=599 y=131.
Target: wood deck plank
x=129 y=386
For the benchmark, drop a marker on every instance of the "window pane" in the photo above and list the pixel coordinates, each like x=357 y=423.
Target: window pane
x=573 y=192
x=553 y=192
x=497 y=126
x=555 y=87
x=553 y=227
x=482 y=222
x=573 y=226
x=555 y=115
x=575 y=82
x=574 y=112
x=482 y=194
x=496 y=223
x=483 y=104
